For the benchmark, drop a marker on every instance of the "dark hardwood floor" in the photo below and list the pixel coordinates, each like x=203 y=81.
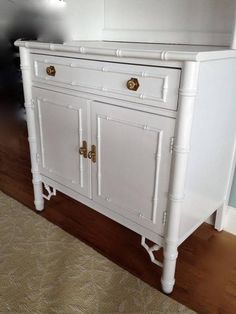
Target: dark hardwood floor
x=206 y=269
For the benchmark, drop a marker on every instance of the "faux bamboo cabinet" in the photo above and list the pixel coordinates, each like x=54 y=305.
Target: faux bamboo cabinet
x=142 y=133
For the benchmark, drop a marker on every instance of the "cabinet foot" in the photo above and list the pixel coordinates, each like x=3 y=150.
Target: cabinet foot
x=39 y=206
x=38 y=196
x=167 y=287
x=169 y=265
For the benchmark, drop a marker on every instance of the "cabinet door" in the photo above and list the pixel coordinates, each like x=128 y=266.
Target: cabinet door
x=133 y=163
x=62 y=126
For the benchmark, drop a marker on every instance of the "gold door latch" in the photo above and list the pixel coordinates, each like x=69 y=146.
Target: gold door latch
x=51 y=71
x=84 y=150
x=133 y=84
x=93 y=154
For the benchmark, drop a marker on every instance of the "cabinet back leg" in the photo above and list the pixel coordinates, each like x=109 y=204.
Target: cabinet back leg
x=221 y=217
x=222 y=212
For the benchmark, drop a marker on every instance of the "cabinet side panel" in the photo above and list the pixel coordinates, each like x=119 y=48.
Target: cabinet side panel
x=212 y=144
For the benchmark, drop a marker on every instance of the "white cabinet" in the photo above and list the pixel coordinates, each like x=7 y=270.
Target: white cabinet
x=142 y=133
x=131 y=173
x=135 y=117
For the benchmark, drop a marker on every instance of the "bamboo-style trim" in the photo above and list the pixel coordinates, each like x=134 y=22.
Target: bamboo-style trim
x=150 y=250
x=51 y=192
x=189 y=82
x=163 y=55
x=30 y=113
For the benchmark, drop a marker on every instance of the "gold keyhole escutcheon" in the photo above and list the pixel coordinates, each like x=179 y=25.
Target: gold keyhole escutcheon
x=51 y=71
x=84 y=150
x=93 y=154
x=133 y=84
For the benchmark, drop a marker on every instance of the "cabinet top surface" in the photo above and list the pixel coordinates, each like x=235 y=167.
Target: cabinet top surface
x=136 y=50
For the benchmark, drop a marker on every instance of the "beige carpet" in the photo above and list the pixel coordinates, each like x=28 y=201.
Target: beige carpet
x=45 y=270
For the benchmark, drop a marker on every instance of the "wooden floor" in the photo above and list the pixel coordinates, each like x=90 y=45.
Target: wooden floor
x=206 y=269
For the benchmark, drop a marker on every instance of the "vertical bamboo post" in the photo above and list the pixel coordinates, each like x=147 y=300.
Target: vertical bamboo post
x=187 y=95
x=29 y=106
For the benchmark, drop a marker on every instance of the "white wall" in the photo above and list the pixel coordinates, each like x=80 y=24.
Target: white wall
x=84 y=19
x=181 y=21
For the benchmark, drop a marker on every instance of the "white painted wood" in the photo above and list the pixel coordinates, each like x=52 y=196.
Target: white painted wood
x=32 y=136
x=221 y=214
x=150 y=250
x=157 y=86
x=212 y=145
x=160 y=158
x=62 y=126
x=50 y=192
x=113 y=101
x=149 y=234
x=220 y=217
x=187 y=94
x=112 y=58
x=131 y=175
x=229 y=220
x=135 y=51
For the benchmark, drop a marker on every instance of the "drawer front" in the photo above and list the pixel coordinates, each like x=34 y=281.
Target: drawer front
x=152 y=86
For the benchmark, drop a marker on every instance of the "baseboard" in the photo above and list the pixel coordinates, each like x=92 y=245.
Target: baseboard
x=230 y=222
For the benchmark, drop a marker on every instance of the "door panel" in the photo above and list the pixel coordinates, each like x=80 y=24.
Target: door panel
x=133 y=163
x=62 y=127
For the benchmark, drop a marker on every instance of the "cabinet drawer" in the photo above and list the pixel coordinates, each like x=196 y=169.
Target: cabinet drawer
x=152 y=86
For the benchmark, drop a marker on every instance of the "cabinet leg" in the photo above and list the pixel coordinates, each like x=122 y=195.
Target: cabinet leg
x=169 y=266
x=220 y=218
x=38 y=195
x=30 y=113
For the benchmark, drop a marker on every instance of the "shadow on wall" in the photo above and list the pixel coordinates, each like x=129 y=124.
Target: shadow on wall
x=27 y=22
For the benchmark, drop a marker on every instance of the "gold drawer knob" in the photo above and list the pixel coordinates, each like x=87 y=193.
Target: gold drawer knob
x=51 y=71
x=133 y=84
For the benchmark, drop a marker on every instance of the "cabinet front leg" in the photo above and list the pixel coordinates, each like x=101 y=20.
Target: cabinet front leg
x=169 y=266
x=30 y=113
x=38 y=195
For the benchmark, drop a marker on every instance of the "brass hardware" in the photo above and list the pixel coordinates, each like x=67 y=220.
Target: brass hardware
x=133 y=84
x=93 y=154
x=51 y=71
x=84 y=150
